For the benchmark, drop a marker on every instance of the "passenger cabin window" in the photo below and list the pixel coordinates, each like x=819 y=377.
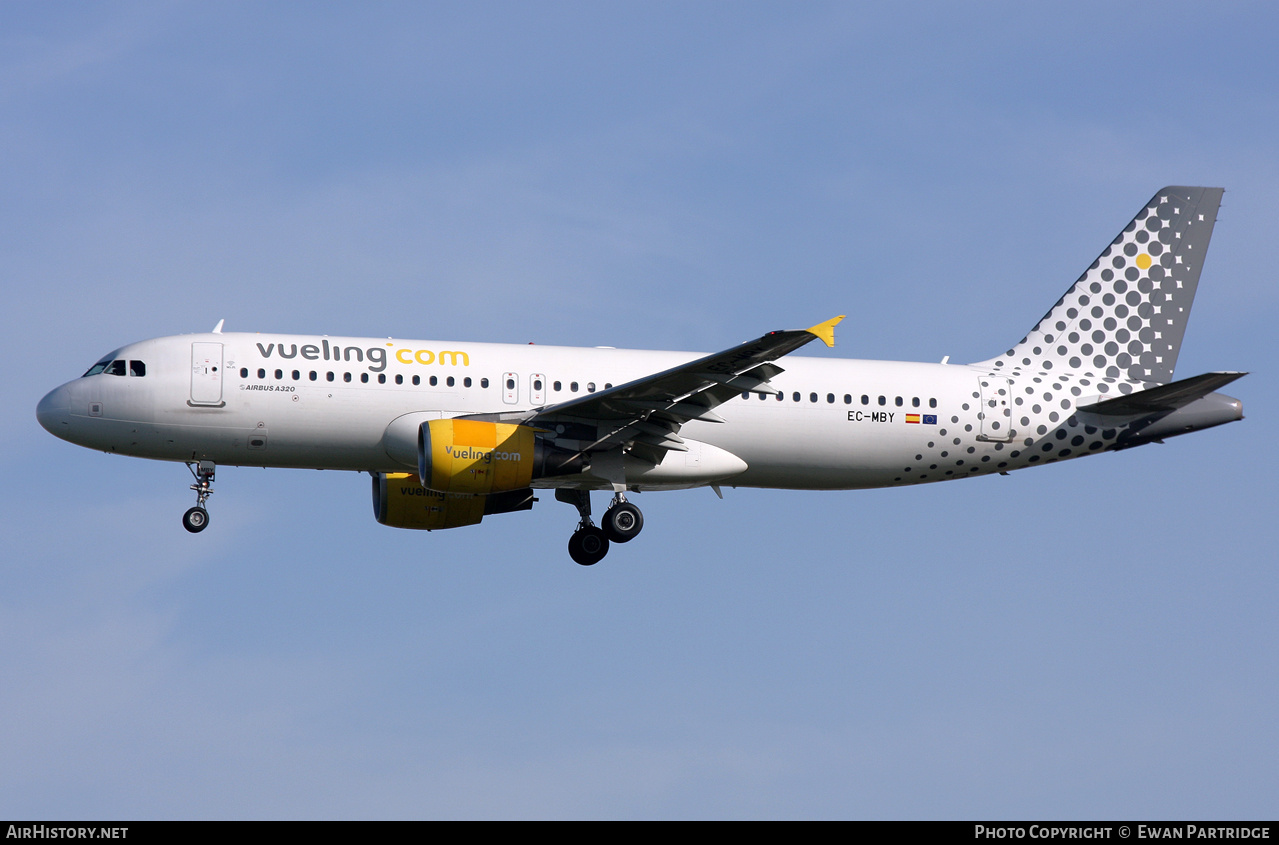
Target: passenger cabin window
x=865 y=399
x=313 y=375
x=914 y=402
x=932 y=403
x=244 y=372
x=449 y=381
x=485 y=383
x=279 y=374
x=573 y=386
x=364 y=378
x=261 y=373
x=898 y=401
x=590 y=387
x=883 y=400
x=381 y=378
x=466 y=382
x=848 y=398
x=812 y=397
x=346 y=377
x=296 y=375
x=329 y=375
x=417 y=380
x=435 y=380
x=795 y=396
x=399 y=379
x=557 y=386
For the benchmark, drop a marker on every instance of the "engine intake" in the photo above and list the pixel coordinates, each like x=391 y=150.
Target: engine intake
x=474 y=457
x=401 y=502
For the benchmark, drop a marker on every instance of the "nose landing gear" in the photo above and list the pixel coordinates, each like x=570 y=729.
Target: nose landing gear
x=622 y=522
x=196 y=519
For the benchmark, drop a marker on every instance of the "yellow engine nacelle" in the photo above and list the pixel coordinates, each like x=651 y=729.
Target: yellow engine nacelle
x=478 y=458
x=401 y=502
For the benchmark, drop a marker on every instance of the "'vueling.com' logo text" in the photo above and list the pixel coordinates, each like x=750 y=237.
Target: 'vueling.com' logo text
x=470 y=453
x=375 y=355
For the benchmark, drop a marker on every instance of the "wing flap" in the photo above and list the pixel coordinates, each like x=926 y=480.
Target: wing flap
x=679 y=412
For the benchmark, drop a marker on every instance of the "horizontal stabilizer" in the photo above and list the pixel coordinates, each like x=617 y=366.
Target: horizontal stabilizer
x=1165 y=397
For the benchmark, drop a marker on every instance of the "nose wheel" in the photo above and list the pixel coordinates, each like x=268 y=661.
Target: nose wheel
x=196 y=519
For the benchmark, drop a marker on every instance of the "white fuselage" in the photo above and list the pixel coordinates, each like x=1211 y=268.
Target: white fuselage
x=332 y=403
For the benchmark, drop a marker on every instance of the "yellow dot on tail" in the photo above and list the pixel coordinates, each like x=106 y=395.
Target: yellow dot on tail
x=1143 y=261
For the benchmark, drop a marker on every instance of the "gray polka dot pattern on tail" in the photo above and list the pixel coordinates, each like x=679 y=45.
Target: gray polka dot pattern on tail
x=1126 y=315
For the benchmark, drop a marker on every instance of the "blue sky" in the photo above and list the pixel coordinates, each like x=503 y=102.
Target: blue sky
x=1091 y=640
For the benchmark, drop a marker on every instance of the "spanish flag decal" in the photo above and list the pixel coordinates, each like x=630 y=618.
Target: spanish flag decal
x=912 y=418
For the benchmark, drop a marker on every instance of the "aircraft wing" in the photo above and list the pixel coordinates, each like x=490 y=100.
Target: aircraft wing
x=646 y=414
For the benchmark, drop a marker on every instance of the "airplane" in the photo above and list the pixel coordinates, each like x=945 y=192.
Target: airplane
x=453 y=432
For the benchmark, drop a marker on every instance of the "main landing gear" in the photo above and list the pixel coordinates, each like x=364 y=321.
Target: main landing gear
x=196 y=519
x=622 y=522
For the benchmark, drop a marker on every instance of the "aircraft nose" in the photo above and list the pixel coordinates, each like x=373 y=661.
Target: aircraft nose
x=52 y=412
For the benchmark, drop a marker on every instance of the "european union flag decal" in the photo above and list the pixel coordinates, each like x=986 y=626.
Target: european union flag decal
x=930 y=419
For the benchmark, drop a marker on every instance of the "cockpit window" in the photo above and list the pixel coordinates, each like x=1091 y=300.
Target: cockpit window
x=114 y=366
x=98 y=367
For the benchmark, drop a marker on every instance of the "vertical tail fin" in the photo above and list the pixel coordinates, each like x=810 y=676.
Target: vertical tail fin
x=1126 y=315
